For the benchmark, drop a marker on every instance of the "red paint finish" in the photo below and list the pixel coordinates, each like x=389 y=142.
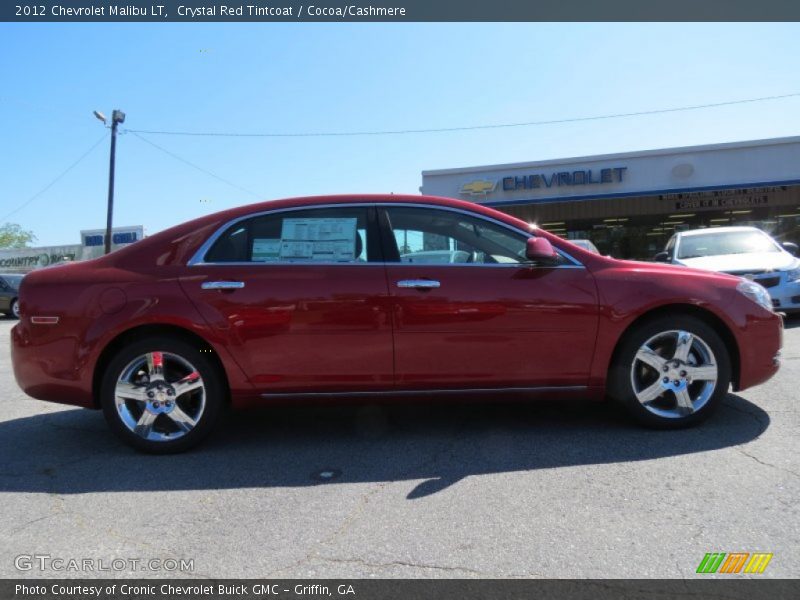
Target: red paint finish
x=349 y=327
x=490 y=326
x=302 y=328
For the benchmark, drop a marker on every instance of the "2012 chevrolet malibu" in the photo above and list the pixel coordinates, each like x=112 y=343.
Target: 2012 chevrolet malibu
x=321 y=298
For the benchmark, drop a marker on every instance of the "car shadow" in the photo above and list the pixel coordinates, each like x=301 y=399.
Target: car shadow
x=73 y=452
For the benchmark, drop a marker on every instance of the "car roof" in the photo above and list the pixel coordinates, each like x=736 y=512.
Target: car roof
x=718 y=230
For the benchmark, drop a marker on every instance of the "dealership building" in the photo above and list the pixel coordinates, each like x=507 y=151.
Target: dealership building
x=629 y=204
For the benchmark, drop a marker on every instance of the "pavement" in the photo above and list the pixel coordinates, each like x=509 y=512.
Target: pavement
x=549 y=489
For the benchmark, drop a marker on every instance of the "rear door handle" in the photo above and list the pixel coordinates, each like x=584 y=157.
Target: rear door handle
x=222 y=285
x=419 y=284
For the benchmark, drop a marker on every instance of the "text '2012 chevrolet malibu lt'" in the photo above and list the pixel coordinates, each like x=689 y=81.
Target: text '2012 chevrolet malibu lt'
x=373 y=297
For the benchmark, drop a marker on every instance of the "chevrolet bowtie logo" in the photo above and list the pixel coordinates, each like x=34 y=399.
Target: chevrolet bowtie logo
x=479 y=187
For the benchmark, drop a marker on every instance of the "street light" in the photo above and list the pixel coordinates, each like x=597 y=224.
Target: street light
x=117 y=117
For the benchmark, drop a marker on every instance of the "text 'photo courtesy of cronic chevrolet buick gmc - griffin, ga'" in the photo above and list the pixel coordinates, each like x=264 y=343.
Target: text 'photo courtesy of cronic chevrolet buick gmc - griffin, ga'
x=345 y=298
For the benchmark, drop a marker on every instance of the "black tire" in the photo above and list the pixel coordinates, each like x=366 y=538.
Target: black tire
x=215 y=394
x=621 y=374
x=13 y=309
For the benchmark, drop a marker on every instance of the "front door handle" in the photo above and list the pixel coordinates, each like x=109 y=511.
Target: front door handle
x=419 y=284
x=222 y=285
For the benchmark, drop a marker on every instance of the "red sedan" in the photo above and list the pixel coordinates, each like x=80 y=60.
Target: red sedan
x=365 y=297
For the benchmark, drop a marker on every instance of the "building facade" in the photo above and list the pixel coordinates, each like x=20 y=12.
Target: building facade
x=629 y=204
x=23 y=260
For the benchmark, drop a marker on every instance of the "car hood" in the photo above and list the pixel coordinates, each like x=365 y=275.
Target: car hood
x=742 y=263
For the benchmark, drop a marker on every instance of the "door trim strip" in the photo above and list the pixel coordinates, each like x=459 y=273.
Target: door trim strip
x=423 y=392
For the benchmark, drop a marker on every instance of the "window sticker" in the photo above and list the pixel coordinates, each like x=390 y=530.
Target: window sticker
x=325 y=240
x=266 y=249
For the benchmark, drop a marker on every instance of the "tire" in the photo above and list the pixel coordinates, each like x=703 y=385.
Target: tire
x=13 y=309
x=161 y=395
x=664 y=384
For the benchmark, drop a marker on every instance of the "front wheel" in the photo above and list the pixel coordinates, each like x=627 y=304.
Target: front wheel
x=161 y=395
x=671 y=372
x=15 y=308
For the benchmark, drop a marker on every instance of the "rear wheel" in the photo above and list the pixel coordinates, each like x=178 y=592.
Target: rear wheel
x=161 y=395
x=15 y=308
x=671 y=372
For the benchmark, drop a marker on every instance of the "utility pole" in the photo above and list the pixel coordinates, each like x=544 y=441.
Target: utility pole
x=117 y=117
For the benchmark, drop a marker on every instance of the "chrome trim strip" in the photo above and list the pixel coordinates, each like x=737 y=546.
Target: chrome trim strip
x=419 y=284
x=197 y=257
x=42 y=320
x=422 y=392
x=222 y=285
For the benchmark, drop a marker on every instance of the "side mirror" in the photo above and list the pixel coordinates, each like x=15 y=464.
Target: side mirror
x=538 y=249
x=791 y=248
x=661 y=257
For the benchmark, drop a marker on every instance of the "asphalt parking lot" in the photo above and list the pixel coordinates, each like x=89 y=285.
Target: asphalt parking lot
x=542 y=490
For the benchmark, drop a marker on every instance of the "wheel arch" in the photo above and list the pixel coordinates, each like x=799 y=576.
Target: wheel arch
x=692 y=310
x=151 y=329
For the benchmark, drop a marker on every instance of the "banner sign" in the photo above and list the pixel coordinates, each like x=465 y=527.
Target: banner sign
x=27 y=259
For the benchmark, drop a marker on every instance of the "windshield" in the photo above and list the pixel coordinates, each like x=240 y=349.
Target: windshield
x=725 y=242
x=13 y=280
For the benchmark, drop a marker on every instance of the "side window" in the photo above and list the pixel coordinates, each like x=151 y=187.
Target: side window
x=432 y=236
x=328 y=235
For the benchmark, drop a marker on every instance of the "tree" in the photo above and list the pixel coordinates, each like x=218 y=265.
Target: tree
x=14 y=236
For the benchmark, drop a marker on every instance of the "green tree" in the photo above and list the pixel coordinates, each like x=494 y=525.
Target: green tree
x=14 y=236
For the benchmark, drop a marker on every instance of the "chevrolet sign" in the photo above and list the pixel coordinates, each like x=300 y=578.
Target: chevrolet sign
x=479 y=187
x=563 y=178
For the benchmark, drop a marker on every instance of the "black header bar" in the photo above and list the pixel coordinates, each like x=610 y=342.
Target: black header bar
x=733 y=588
x=266 y=11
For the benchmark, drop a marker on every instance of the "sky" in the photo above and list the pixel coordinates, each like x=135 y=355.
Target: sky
x=344 y=77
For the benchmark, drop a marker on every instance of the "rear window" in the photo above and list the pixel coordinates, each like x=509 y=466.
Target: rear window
x=12 y=280
x=326 y=235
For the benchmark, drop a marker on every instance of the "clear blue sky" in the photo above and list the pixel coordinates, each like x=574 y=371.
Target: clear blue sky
x=340 y=77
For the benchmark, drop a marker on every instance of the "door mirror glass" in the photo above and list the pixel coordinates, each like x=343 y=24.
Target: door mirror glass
x=661 y=257
x=538 y=249
x=790 y=247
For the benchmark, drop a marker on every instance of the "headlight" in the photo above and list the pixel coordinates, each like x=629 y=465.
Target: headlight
x=755 y=292
x=793 y=275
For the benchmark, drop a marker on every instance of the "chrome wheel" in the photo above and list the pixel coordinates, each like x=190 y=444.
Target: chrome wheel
x=674 y=374
x=15 y=309
x=160 y=396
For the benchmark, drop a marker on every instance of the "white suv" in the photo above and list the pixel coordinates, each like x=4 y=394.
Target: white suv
x=744 y=251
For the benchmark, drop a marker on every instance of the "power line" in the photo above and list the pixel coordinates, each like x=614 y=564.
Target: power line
x=194 y=166
x=464 y=128
x=56 y=180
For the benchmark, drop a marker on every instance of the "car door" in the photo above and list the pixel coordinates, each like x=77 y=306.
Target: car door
x=470 y=311
x=302 y=295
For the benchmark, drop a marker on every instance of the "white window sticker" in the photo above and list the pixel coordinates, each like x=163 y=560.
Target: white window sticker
x=324 y=240
x=266 y=250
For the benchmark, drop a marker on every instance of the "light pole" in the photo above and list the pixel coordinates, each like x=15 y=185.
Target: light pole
x=117 y=117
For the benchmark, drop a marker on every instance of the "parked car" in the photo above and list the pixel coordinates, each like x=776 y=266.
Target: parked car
x=586 y=245
x=9 y=293
x=274 y=302
x=744 y=251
